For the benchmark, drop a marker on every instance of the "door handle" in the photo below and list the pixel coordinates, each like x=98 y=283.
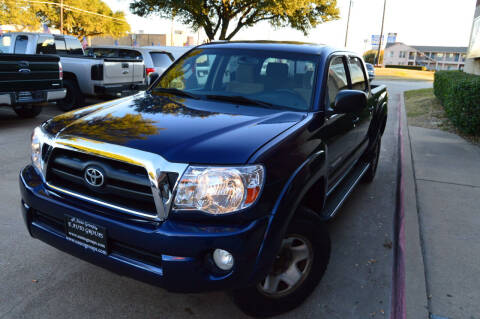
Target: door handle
x=125 y=72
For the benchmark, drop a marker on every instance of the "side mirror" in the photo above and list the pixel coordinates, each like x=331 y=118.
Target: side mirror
x=350 y=101
x=152 y=77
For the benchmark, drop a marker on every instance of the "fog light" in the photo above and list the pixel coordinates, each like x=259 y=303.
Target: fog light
x=223 y=259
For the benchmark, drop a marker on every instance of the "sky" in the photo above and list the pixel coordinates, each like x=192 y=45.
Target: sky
x=417 y=22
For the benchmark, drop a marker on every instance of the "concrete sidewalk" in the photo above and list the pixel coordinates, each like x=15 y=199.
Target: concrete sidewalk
x=445 y=196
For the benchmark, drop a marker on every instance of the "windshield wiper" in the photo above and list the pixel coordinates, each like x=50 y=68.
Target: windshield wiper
x=241 y=99
x=176 y=92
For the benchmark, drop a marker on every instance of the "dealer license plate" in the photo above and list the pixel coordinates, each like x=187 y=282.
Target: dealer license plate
x=86 y=234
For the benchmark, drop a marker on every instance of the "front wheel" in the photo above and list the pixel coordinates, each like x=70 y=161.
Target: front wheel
x=296 y=271
x=27 y=111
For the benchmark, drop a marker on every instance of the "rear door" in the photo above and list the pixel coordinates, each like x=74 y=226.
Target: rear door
x=359 y=81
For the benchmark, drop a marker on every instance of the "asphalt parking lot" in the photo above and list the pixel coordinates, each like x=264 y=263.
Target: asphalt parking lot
x=39 y=281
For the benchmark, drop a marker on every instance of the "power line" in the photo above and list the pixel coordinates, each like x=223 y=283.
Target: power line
x=71 y=8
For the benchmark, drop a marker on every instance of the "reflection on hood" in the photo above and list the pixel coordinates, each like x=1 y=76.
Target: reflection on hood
x=167 y=104
x=116 y=129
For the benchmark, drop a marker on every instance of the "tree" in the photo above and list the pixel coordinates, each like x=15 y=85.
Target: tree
x=20 y=14
x=227 y=17
x=100 y=20
x=80 y=23
x=370 y=56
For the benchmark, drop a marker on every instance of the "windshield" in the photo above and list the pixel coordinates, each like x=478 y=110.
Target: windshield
x=282 y=79
x=5 y=43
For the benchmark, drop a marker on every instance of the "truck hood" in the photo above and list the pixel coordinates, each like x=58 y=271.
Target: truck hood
x=181 y=130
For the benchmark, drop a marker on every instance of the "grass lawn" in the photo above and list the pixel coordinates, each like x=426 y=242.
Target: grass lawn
x=425 y=110
x=398 y=74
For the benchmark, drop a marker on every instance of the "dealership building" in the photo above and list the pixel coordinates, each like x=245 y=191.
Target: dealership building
x=432 y=57
x=472 y=65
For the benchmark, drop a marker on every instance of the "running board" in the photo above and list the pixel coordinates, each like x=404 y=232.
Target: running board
x=336 y=199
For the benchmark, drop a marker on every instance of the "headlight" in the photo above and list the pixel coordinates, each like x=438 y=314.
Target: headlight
x=39 y=138
x=37 y=148
x=219 y=190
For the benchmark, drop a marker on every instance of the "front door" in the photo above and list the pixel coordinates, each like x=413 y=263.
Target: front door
x=338 y=130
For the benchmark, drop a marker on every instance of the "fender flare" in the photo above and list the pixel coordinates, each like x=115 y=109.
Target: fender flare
x=298 y=184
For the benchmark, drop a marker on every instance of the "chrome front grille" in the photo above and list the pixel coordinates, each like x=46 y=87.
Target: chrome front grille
x=125 y=185
x=135 y=182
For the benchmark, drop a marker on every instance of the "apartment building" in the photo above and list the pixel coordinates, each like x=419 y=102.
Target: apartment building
x=472 y=65
x=432 y=57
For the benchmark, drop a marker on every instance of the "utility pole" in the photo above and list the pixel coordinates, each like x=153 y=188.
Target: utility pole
x=348 y=22
x=171 y=33
x=381 y=33
x=61 y=17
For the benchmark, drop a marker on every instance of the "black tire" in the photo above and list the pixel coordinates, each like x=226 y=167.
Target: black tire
x=28 y=111
x=74 y=98
x=374 y=157
x=256 y=302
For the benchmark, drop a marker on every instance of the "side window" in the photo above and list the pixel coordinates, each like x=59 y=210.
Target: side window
x=60 y=46
x=46 y=45
x=337 y=79
x=21 y=44
x=74 y=46
x=359 y=81
x=160 y=59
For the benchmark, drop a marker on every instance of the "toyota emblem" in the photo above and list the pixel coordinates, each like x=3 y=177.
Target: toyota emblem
x=94 y=177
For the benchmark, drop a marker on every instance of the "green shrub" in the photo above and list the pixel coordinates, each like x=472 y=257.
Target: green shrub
x=370 y=55
x=408 y=67
x=459 y=93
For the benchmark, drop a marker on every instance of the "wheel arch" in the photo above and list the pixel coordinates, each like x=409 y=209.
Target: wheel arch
x=308 y=177
x=70 y=76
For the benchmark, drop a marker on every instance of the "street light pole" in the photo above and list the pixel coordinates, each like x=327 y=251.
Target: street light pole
x=381 y=33
x=348 y=22
x=61 y=17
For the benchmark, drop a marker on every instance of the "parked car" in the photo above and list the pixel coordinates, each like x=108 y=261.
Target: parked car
x=175 y=51
x=83 y=76
x=370 y=71
x=27 y=82
x=220 y=185
x=155 y=60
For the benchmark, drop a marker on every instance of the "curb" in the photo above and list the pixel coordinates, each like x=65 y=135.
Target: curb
x=415 y=281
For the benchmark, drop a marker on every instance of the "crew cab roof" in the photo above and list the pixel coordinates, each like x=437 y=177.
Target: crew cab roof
x=41 y=33
x=285 y=46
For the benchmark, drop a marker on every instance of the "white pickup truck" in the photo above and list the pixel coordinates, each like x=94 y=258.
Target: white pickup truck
x=83 y=75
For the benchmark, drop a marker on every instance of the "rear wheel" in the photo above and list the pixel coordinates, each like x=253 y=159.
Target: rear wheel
x=28 y=110
x=296 y=271
x=73 y=99
x=374 y=157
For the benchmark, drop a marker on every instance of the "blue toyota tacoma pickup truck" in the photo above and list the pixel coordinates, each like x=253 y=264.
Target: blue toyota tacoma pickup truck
x=219 y=183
